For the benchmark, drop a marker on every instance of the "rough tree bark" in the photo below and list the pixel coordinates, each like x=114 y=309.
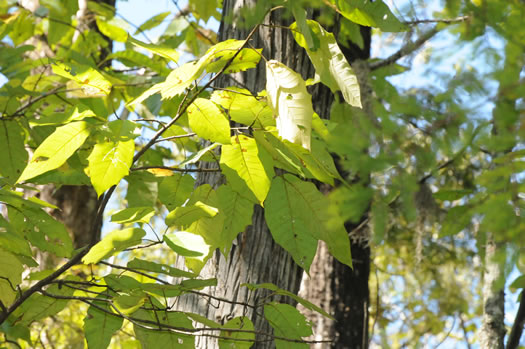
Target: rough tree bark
x=493 y=330
x=255 y=258
x=335 y=287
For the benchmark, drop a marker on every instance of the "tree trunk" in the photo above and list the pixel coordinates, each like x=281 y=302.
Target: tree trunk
x=333 y=286
x=255 y=258
x=493 y=330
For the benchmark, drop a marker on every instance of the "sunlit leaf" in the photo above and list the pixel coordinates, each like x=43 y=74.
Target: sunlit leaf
x=113 y=243
x=246 y=165
x=160 y=50
x=56 y=149
x=183 y=216
x=133 y=215
x=110 y=161
x=92 y=82
x=208 y=121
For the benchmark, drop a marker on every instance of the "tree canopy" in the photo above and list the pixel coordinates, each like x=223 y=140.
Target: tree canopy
x=429 y=168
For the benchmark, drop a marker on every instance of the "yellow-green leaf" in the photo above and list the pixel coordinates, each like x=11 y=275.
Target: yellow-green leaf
x=113 y=243
x=110 y=161
x=92 y=82
x=183 y=216
x=133 y=215
x=163 y=51
x=56 y=149
x=208 y=121
x=245 y=164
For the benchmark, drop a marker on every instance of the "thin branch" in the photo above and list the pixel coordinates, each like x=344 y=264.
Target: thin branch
x=405 y=50
x=517 y=327
x=175 y=169
x=439 y=20
x=175 y=137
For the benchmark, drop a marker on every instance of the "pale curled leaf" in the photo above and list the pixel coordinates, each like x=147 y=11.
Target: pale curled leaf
x=290 y=102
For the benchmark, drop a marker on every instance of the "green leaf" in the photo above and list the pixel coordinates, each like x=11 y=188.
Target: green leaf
x=99 y=326
x=128 y=303
x=150 y=339
x=177 y=245
x=207 y=226
x=13 y=156
x=458 y=218
x=133 y=214
x=246 y=59
x=310 y=216
x=175 y=190
x=111 y=28
x=228 y=339
x=184 y=76
x=282 y=157
x=280 y=291
x=237 y=211
x=379 y=219
x=182 y=217
x=113 y=243
x=318 y=162
x=208 y=121
x=39 y=307
x=56 y=149
x=92 y=82
x=110 y=161
x=205 y=154
x=77 y=113
x=159 y=268
x=289 y=221
x=12 y=241
x=245 y=164
x=330 y=63
x=451 y=195
x=10 y=276
x=160 y=50
x=36 y=226
x=244 y=108
x=371 y=14
x=312 y=41
x=152 y=22
x=287 y=322
x=291 y=103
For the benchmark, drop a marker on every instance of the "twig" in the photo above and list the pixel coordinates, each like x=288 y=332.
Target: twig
x=405 y=50
x=175 y=137
x=175 y=169
x=438 y=20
